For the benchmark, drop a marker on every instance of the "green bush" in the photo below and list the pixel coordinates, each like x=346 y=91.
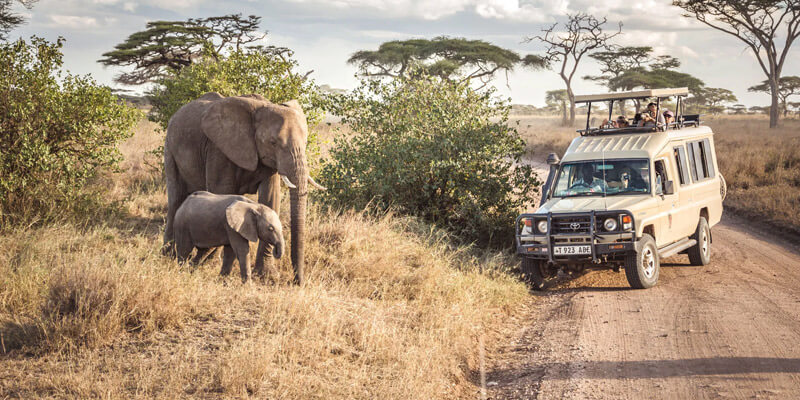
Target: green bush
x=432 y=148
x=57 y=132
x=258 y=71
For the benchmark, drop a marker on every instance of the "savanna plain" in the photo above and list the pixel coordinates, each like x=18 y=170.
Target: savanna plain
x=391 y=308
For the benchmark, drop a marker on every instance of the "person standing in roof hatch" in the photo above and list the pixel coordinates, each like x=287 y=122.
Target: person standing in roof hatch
x=651 y=116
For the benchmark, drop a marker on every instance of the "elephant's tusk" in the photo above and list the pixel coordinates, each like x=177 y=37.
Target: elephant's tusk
x=288 y=182
x=315 y=184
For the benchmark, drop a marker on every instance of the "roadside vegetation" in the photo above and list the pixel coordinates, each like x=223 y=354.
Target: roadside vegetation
x=390 y=304
x=432 y=148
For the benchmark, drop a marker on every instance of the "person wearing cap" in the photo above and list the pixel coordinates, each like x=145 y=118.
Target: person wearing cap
x=622 y=122
x=669 y=117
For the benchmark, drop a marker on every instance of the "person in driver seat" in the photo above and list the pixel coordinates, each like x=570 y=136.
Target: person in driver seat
x=586 y=179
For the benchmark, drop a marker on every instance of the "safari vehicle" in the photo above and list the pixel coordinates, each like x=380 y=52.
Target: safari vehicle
x=626 y=197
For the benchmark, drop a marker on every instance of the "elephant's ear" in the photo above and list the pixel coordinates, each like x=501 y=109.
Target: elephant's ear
x=241 y=219
x=228 y=123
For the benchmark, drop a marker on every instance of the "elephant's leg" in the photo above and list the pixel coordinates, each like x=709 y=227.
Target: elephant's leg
x=241 y=247
x=269 y=194
x=176 y=194
x=201 y=253
x=227 y=261
x=207 y=254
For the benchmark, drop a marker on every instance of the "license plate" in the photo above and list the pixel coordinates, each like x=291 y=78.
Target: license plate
x=571 y=250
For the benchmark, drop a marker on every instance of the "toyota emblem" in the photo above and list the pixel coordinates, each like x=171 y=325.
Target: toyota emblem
x=574 y=226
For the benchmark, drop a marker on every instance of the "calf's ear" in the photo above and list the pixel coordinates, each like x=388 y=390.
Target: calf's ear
x=242 y=220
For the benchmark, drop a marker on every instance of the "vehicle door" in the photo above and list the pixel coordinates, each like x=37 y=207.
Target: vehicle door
x=667 y=203
x=685 y=216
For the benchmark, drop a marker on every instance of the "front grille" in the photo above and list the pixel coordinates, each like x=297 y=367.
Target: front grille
x=561 y=225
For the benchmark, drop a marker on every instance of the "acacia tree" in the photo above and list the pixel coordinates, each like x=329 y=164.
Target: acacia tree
x=795 y=106
x=443 y=57
x=582 y=33
x=558 y=99
x=711 y=100
x=616 y=61
x=787 y=86
x=173 y=45
x=757 y=23
x=9 y=20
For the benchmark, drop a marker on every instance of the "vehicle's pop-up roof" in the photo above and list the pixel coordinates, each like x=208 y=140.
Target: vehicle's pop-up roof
x=635 y=94
x=656 y=95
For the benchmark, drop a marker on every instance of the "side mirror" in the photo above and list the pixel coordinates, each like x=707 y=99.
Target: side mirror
x=552 y=159
x=669 y=187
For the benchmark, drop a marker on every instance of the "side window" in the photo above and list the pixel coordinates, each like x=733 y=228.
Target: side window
x=701 y=163
x=692 y=162
x=706 y=155
x=680 y=162
x=661 y=176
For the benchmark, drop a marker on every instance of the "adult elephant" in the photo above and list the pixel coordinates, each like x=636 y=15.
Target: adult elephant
x=240 y=145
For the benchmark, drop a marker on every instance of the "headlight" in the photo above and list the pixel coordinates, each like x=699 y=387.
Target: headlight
x=610 y=224
x=542 y=226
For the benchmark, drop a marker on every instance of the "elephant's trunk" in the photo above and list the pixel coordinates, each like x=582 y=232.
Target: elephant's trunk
x=298 y=211
x=277 y=249
x=298 y=203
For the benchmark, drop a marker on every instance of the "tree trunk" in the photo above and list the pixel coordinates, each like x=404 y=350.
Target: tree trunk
x=571 y=96
x=563 y=113
x=774 y=110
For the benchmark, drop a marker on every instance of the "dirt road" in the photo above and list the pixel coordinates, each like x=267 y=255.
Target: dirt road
x=730 y=329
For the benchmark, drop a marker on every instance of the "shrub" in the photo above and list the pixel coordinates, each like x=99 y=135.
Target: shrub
x=432 y=148
x=57 y=131
x=258 y=71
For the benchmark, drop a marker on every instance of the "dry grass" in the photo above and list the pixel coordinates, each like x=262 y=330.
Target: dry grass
x=761 y=165
x=390 y=310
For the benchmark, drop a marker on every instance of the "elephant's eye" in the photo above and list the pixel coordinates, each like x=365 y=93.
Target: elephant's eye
x=271 y=228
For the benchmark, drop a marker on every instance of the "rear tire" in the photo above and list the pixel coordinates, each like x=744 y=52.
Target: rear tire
x=532 y=273
x=643 y=265
x=700 y=254
x=723 y=187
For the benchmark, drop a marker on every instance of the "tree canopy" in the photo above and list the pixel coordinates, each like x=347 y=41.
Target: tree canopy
x=173 y=45
x=8 y=19
x=616 y=60
x=444 y=57
x=711 y=100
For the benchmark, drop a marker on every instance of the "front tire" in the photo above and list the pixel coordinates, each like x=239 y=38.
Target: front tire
x=642 y=267
x=700 y=254
x=533 y=274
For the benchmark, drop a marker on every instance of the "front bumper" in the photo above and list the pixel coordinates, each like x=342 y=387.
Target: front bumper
x=602 y=243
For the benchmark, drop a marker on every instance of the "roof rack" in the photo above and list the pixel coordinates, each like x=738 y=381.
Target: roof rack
x=635 y=94
x=658 y=94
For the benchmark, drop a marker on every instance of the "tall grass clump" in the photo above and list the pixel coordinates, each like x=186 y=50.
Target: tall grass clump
x=433 y=148
x=57 y=133
x=63 y=289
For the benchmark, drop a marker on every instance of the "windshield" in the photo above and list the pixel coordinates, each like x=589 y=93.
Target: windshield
x=598 y=177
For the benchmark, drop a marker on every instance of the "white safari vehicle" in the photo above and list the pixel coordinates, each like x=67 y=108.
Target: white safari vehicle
x=626 y=197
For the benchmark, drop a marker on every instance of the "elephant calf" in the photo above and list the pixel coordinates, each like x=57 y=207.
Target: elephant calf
x=206 y=220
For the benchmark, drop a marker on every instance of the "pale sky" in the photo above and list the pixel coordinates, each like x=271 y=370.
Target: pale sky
x=324 y=33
